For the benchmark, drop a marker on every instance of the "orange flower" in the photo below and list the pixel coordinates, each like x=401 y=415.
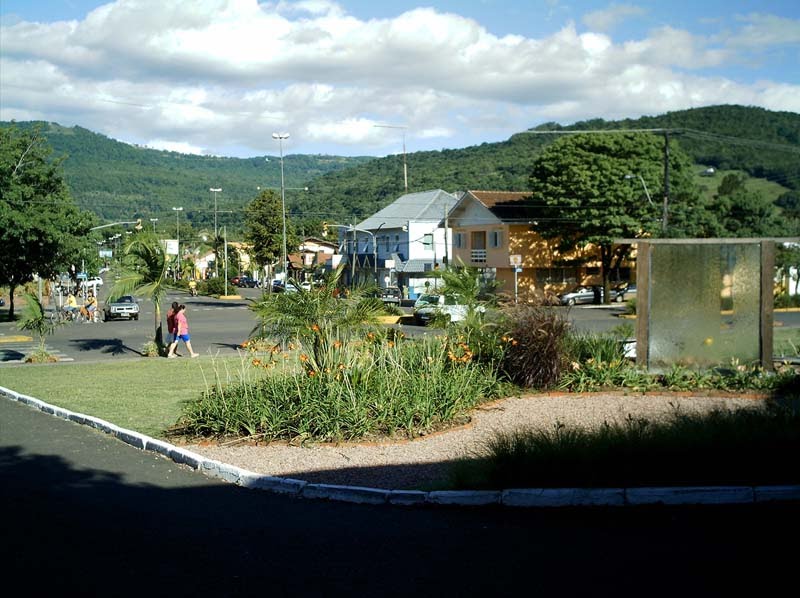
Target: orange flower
x=256 y=362
x=303 y=357
x=337 y=344
x=312 y=373
x=390 y=343
x=315 y=328
x=341 y=366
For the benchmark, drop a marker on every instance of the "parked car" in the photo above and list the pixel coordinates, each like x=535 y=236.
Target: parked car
x=391 y=295
x=235 y=280
x=95 y=281
x=279 y=287
x=125 y=307
x=427 y=307
x=246 y=282
x=586 y=294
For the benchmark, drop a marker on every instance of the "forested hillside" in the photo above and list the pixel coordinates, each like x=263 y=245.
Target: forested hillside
x=114 y=179
x=111 y=178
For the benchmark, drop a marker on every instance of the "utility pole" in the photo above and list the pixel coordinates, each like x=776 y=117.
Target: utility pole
x=666 y=183
x=216 y=256
x=405 y=166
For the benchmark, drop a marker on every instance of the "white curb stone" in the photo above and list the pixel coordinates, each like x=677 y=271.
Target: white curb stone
x=159 y=446
x=464 y=498
x=699 y=495
x=271 y=483
x=185 y=457
x=132 y=438
x=564 y=497
x=356 y=494
x=770 y=493
x=407 y=497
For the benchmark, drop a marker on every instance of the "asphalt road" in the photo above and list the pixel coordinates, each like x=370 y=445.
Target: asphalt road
x=86 y=515
x=219 y=326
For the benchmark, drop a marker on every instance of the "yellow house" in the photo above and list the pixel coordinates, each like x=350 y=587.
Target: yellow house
x=495 y=231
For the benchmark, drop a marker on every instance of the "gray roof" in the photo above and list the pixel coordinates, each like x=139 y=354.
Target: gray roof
x=425 y=206
x=414 y=266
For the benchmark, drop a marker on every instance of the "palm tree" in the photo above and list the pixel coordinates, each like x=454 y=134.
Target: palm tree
x=144 y=274
x=35 y=319
x=315 y=318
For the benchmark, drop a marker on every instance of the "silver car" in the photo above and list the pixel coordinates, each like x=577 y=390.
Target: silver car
x=125 y=307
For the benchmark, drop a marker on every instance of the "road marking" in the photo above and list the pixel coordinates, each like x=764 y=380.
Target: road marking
x=15 y=339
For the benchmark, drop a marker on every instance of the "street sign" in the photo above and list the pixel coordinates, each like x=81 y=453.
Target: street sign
x=515 y=260
x=82 y=276
x=517 y=270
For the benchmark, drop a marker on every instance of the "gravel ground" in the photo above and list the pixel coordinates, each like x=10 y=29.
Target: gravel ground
x=423 y=463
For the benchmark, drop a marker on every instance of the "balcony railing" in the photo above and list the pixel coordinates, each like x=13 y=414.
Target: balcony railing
x=478 y=256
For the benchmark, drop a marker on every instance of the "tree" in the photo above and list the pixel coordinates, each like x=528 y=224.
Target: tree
x=745 y=213
x=318 y=319
x=264 y=228
x=144 y=273
x=35 y=319
x=590 y=192
x=41 y=229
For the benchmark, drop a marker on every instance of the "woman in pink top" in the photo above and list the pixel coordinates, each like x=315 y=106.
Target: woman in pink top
x=182 y=325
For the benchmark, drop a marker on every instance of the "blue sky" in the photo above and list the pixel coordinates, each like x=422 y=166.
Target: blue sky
x=219 y=76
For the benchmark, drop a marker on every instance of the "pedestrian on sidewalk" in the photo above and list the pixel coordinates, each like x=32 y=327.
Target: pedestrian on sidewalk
x=183 y=333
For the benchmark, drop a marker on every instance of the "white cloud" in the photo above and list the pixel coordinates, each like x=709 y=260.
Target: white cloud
x=607 y=19
x=223 y=74
x=175 y=146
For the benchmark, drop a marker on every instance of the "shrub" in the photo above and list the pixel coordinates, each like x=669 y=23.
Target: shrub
x=212 y=286
x=786 y=300
x=746 y=446
x=534 y=354
x=373 y=387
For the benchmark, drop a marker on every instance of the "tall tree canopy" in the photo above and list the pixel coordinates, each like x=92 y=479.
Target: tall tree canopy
x=264 y=228
x=41 y=229
x=590 y=191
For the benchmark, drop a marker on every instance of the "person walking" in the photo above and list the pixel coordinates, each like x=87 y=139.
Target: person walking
x=183 y=333
x=172 y=329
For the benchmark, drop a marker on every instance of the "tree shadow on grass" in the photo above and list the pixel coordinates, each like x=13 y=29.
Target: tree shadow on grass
x=112 y=346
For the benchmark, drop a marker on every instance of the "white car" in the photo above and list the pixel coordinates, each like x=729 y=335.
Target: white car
x=427 y=307
x=95 y=281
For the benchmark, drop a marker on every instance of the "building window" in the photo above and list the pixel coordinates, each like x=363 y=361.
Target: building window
x=556 y=275
x=495 y=238
x=386 y=241
x=397 y=242
x=458 y=240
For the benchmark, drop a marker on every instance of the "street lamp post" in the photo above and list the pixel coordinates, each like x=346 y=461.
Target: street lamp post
x=405 y=167
x=280 y=137
x=650 y=200
x=216 y=257
x=178 y=210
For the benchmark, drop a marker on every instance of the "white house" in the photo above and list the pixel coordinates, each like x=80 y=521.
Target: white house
x=400 y=244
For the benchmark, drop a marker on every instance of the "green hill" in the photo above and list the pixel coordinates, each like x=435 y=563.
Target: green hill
x=114 y=179
x=119 y=181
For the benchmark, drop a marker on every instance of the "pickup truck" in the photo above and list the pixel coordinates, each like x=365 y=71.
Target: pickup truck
x=123 y=308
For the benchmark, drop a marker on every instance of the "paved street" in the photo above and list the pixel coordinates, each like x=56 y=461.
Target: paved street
x=220 y=326
x=88 y=515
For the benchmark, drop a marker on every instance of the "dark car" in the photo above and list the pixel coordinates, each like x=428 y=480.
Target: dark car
x=246 y=281
x=391 y=295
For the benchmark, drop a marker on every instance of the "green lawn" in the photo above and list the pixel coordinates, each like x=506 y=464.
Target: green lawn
x=145 y=395
x=786 y=342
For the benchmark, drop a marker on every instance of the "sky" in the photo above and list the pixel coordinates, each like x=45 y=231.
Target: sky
x=372 y=78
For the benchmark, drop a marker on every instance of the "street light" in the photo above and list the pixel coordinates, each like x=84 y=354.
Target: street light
x=280 y=137
x=216 y=257
x=178 y=210
x=649 y=199
x=405 y=167
x=154 y=220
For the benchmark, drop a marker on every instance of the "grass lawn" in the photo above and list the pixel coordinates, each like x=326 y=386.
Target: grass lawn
x=146 y=395
x=786 y=341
